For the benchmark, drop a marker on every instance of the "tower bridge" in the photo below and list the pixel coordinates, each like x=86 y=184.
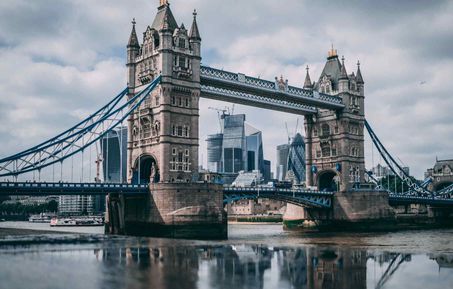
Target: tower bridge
x=165 y=81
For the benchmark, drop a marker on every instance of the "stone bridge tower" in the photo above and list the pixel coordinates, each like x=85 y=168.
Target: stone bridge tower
x=335 y=140
x=163 y=133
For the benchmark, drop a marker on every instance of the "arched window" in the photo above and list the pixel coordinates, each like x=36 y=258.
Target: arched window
x=156 y=40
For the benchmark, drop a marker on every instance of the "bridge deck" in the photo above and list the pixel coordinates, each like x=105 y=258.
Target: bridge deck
x=221 y=80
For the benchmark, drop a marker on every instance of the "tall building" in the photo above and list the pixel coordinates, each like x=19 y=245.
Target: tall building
x=296 y=160
x=114 y=156
x=282 y=161
x=215 y=152
x=267 y=171
x=234 y=144
x=254 y=141
x=238 y=148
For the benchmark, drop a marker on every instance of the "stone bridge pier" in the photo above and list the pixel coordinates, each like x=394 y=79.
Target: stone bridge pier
x=170 y=210
x=351 y=210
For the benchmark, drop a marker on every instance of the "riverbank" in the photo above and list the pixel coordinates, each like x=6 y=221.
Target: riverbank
x=25 y=232
x=255 y=219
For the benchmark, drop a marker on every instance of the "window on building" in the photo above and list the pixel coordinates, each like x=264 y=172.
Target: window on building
x=315 y=132
x=186 y=131
x=325 y=151
x=182 y=62
x=180 y=130
x=318 y=153
x=182 y=43
x=325 y=130
x=336 y=130
x=173 y=151
x=187 y=102
x=179 y=101
x=334 y=151
x=173 y=100
x=157 y=101
x=187 y=152
x=173 y=131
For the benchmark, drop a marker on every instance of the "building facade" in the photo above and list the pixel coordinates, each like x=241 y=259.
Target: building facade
x=335 y=139
x=441 y=174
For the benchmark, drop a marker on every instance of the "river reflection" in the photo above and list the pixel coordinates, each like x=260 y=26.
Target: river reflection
x=253 y=266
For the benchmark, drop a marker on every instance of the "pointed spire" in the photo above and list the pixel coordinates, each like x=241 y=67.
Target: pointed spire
x=133 y=39
x=307 y=82
x=343 y=73
x=194 y=32
x=359 y=74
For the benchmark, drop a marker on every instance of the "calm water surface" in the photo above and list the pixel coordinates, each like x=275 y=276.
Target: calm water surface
x=255 y=256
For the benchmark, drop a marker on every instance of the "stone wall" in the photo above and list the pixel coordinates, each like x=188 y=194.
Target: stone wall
x=192 y=210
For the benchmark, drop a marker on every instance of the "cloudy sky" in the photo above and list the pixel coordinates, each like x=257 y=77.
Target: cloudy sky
x=62 y=59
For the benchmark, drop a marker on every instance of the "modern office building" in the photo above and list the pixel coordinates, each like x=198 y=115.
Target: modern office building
x=296 y=159
x=114 y=156
x=215 y=152
x=282 y=161
x=267 y=176
x=238 y=148
x=234 y=144
x=254 y=141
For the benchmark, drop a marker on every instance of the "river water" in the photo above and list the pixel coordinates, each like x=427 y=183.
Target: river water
x=254 y=256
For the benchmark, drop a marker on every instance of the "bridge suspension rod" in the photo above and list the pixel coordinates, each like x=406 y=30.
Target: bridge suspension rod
x=74 y=141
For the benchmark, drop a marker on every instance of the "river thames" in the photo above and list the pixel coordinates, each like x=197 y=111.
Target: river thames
x=254 y=256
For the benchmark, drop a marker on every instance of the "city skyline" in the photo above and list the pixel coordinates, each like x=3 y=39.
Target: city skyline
x=56 y=72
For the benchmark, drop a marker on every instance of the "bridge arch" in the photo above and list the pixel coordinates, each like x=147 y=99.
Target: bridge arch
x=326 y=180
x=145 y=170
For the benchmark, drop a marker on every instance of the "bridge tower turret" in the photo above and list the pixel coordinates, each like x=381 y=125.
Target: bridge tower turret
x=163 y=133
x=335 y=139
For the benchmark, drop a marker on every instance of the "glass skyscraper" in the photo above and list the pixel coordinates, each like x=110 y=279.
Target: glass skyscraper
x=282 y=161
x=296 y=159
x=114 y=156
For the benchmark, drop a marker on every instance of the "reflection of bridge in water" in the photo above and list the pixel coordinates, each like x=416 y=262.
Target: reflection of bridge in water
x=256 y=266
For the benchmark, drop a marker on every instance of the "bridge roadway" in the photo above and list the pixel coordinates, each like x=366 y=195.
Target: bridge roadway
x=309 y=198
x=240 y=88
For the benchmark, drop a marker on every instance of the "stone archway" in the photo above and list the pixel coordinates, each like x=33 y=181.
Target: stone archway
x=146 y=170
x=326 y=181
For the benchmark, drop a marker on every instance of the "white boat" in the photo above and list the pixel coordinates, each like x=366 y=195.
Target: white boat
x=41 y=218
x=76 y=221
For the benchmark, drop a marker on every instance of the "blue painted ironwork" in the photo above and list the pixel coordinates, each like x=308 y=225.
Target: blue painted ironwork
x=306 y=198
x=76 y=139
x=61 y=188
x=220 y=79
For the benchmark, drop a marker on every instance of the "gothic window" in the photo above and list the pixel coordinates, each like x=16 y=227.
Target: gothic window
x=336 y=129
x=325 y=130
x=182 y=62
x=173 y=130
x=156 y=40
x=325 y=151
x=173 y=100
x=179 y=101
x=186 y=131
x=187 y=102
x=334 y=151
x=173 y=151
x=187 y=152
x=182 y=43
x=180 y=130
x=145 y=127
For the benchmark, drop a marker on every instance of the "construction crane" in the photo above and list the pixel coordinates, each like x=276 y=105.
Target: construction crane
x=220 y=116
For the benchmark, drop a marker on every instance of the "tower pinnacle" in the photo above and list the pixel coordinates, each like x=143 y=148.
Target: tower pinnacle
x=133 y=39
x=343 y=73
x=359 y=74
x=194 y=32
x=163 y=2
x=307 y=82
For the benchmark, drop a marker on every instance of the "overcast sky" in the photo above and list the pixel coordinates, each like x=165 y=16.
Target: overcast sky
x=61 y=60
